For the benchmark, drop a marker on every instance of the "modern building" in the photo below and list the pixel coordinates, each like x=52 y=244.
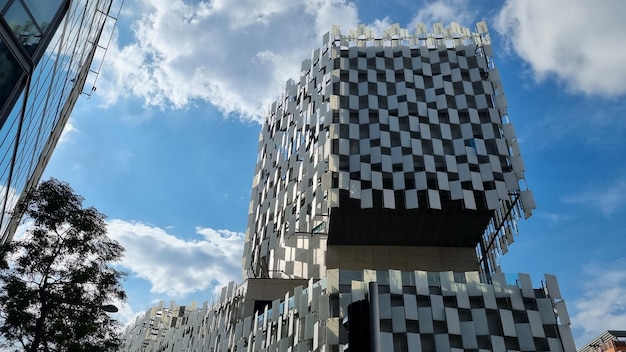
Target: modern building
x=389 y=182
x=49 y=51
x=608 y=341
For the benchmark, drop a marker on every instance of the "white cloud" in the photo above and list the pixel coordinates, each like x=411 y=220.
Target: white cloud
x=175 y=266
x=445 y=11
x=578 y=42
x=608 y=200
x=603 y=303
x=235 y=55
x=125 y=315
x=67 y=130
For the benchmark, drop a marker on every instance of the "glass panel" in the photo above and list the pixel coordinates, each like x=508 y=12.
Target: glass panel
x=10 y=73
x=23 y=26
x=43 y=11
x=3 y=4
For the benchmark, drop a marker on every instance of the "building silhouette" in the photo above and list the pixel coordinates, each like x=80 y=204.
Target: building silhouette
x=46 y=54
x=389 y=182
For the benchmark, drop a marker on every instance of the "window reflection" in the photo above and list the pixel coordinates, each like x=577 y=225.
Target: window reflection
x=23 y=26
x=10 y=73
x=43 y=11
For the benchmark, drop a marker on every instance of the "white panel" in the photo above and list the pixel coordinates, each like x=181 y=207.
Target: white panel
x=526 y=285
x=546 y=311
x=498 y=280
x=472 y=279
x=528 y=201
x=377 y=180
x=410 y=306
x=534 y=319
x=553 y=286
x=324 y=307
x=501 y=102
x=332 y=281
x=555 y=345
x=332 y=331
x=497 y=343
x=468 y=335
x=434 y=202
x=517 y=302
x=344 y=300
x=355 y=189
x=425 y=320
x=442 y=181
x=389 y=200
x=509 y=131
x=462 y=296
x=456 y=190
x=398 y=319
x=442 y=342
x=452 y=320
x=421 y=283
x=420 y=181
x=395 y=282
x=561 y=311
x=437 y=306
x=525 y=337
x=468 y=199
x=358 y=290
x=517 y=163
x=275 y=309
x=367 y=201
x=489 y=297
x=309 y=321
x=386 y=341
x=567 y=338
x=384 y=305
x=492 y=199
x=511 y=181
x=414 y=342
x=508 y=324
x=410 y=197
x=447 y=281
x=344 y=182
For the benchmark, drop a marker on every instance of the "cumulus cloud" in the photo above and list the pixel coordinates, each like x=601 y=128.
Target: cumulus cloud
x=603 y=303
x=234 y=55
x=125 y=315
x=175 y=266
x=578 y=42
x=445 y=11
x=67 y=131
x=609 y=199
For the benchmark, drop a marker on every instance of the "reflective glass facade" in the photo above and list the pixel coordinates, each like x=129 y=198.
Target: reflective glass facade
x=46 y=52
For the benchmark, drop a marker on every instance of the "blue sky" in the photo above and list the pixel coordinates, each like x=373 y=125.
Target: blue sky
x=166 y=146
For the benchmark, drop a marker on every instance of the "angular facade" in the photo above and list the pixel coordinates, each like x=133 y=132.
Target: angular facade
x=401 y=140
x=46 y=53
x=388 y=184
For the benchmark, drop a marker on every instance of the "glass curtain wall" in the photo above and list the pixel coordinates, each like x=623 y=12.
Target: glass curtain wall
x=46 y=51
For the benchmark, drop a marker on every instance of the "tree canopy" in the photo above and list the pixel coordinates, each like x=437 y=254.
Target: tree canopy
x=56 y=280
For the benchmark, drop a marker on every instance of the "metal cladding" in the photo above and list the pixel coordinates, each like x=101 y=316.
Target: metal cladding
x=387 y=184
x=417 y=311
x=396 y=139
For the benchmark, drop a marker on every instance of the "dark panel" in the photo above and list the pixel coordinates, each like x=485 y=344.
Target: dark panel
x=452 y=226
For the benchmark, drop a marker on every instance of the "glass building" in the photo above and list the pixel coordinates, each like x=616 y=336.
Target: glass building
x=48 y=51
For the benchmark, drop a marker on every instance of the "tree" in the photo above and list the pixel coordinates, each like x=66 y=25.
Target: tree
x=57 y=279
